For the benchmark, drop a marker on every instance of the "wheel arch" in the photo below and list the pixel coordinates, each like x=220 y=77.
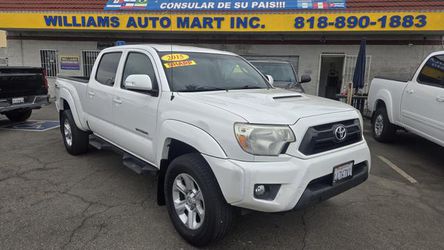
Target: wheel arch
x=65 y=102
x=179 y=138
x=193 y=136
x=384 y=99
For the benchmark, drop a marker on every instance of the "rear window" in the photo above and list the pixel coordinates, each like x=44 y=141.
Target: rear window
x=107 y=70
x=433 y=72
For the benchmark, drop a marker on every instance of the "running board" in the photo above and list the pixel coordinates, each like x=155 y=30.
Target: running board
x=99 y=144
x=138 y=166
x=129 y=161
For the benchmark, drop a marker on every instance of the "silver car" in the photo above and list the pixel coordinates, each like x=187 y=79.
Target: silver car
x=283 y=73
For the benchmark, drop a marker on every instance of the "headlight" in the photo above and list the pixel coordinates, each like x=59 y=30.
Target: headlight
x=263 y=139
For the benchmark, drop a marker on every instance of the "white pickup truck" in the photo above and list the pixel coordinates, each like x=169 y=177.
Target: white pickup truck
x=416 y=105
x=216 y=133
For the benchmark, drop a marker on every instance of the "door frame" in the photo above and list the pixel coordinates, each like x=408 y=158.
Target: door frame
x=345 y=56
x=320 y=66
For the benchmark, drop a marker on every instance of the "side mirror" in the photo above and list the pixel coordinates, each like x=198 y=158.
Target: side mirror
x=139 y=82
x=270 y=79
x=305 y=78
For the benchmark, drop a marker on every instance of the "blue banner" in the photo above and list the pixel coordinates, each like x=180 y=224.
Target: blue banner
x=219 y=5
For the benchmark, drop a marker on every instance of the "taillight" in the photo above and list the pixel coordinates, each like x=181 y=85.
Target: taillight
x=45 y=79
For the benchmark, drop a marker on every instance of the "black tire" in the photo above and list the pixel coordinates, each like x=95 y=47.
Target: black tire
x=79 y=140
x=218 y=214
x=387 y=132
x=19 y=115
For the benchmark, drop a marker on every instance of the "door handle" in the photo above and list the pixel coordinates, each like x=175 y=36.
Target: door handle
x=440 y=99
x=410 y=91
x=90 y=93
x=117 y=101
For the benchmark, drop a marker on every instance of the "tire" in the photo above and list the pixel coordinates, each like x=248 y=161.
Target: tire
x=383 y=130
x=76 y=141
x=217 y=214
x=19 y=115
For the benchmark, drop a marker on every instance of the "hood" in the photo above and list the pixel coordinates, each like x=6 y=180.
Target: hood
x=269 y=106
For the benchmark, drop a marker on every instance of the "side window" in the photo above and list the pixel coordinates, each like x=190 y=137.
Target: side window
x=433 y=72
x=138 y=64
x=106 y=72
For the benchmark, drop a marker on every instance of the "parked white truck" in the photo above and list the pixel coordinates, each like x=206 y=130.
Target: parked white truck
x=416 y=105
x=215 y=132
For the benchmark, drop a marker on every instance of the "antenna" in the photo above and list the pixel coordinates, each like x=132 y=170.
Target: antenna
x=171 y=52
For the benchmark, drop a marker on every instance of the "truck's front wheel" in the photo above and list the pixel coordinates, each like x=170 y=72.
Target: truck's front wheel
x=19 y=115
x=383 y=130
x=76 y=141
x=195 y=203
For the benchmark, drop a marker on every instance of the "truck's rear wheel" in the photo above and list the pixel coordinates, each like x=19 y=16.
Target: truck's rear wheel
x=195 y=203
x=19 y=115
x=76 y=141
x=383 y=130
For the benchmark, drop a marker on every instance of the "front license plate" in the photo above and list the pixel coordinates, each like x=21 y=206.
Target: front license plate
x=18 y=100
x=342 y=172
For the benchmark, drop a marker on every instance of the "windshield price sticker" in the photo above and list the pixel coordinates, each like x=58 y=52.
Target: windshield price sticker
x=176 y=64
x=175 y=57
x=362 y=22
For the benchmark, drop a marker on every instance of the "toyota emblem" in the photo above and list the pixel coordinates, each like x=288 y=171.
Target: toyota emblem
x=340 y=132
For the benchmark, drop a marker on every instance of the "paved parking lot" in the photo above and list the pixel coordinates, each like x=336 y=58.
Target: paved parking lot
x=50 y=199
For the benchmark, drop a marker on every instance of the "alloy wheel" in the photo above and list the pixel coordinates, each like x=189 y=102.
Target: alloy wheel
x=188 y=201
x=67 y=132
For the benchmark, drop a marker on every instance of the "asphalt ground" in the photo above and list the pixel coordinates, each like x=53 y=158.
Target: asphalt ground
x=52 y=200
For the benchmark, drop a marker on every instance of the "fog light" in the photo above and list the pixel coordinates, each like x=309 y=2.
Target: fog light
x=259 y=190
x=266 y=191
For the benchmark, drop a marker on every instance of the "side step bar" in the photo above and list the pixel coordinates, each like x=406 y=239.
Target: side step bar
x=137 y=165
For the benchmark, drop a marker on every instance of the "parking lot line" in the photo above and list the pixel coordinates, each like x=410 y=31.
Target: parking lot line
x=397 y=169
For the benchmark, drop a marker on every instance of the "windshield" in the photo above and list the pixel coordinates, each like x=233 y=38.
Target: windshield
x=281 y=72
x=192 y=72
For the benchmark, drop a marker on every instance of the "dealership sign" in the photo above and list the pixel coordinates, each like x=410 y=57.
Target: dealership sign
x=69 y=63
x=227 y=22
x=184 y=5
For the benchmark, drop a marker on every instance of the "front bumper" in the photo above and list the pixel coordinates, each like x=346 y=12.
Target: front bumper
x=294 y=175
x=321 y=189
x=31 y=102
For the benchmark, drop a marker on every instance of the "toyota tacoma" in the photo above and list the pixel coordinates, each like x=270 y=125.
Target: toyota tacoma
x=217 y=134
x=416 y=104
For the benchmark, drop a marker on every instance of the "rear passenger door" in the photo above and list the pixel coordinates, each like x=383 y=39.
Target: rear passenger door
x=100 y=93
x=135 y=112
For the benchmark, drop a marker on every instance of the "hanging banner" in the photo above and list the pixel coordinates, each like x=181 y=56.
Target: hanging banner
x=228 y=22
x=232 y=5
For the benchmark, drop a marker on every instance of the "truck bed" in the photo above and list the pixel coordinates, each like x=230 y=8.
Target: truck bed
x=81 y=79
x=395 y=79
x=391 y=92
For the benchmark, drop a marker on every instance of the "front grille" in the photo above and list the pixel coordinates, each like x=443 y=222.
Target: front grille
x=322 y=138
